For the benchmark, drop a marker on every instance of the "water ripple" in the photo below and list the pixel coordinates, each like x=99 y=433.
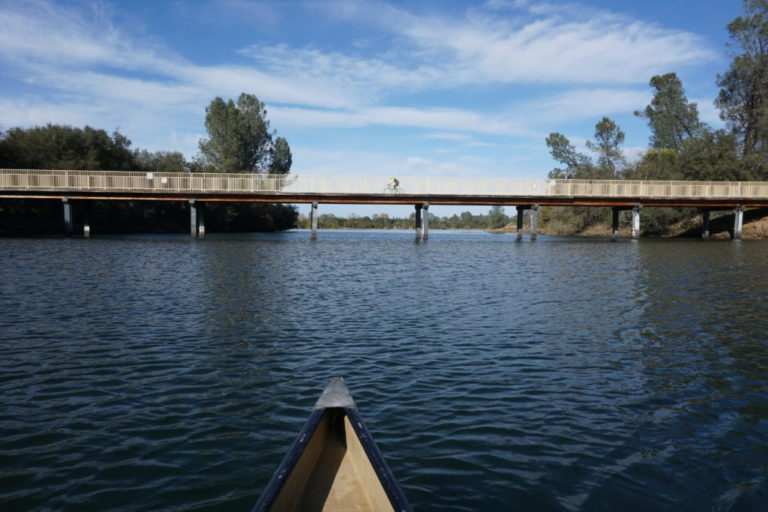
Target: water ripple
x=159 y=374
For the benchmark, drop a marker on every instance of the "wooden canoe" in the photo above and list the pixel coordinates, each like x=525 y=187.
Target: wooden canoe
x=334 y=465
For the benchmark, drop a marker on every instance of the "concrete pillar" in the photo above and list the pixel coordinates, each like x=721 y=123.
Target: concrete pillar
x=192 y=218
x=705 y=224
x=313 y=221
x=68 y=219
x=520 y=217
x=419 y=230
x=534 y=221
x=425 y=221
x=87 y=219
x=738 y=222
x=636 y=222
x=615 y=223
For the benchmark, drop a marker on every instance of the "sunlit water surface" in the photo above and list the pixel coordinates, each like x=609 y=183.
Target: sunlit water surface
x=158 y=373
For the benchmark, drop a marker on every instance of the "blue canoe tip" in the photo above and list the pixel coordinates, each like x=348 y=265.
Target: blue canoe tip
x=336 y=394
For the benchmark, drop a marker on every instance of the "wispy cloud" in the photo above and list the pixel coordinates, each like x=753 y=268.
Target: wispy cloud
x=582 y=103
x=79 y=62
x=559 y=44
x=347 y=162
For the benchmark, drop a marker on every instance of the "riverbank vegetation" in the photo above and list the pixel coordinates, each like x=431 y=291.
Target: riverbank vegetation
x=681 y=146
x=496 y=218
x=239 y=140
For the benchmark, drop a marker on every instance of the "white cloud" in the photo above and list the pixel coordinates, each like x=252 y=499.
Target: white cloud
x=25 y=112
x=444 y=119
x=708 y=112
x=40 y=31
x=607 y=49
x=562 y=43
x=347 y=162
x=81 y=68
x=587 y=103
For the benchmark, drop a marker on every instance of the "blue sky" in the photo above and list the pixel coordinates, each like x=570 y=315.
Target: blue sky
x=435 y=87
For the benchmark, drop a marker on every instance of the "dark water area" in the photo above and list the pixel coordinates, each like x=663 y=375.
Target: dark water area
x=159 y=373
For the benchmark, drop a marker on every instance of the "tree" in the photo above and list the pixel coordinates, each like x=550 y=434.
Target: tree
x=161 y=161
x=280 y=157
x=65 y=147
x=608 y=138
x=656 y=164
x=713 y=157
x=743 y=98
x=670 y=117
x=577 y=165
x=239 y=137
x=497 y=218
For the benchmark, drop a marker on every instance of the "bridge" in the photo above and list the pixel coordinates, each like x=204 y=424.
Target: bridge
x=423 y=191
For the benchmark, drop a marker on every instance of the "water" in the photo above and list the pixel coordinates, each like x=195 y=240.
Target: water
x=157 y=373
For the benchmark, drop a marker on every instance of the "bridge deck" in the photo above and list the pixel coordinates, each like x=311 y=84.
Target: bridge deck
x=114 y=185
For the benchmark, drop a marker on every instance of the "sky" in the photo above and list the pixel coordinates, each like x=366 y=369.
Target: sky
x=364 y=87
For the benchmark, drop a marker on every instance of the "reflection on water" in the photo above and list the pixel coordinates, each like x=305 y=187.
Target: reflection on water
x=568 y=374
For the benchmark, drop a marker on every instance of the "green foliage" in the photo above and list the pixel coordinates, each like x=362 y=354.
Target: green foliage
x=497 y=218
x=712 y=157
x=671 y=118
x=465 y=220
x=568 y=220
x=161 y=161
x=65 y=147
x=281 y=158
x=656 y=221
x=608 y=139
x=239 y=137
x=656 y=164
x=743 y=98
x=577 y=165
x=239 y=141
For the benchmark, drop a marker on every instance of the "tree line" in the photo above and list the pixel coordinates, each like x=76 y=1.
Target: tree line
x=496 y=218
x=239 y=141
x=681 y=146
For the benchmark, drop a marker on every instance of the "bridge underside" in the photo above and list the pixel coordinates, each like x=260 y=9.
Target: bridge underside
x=405 y=199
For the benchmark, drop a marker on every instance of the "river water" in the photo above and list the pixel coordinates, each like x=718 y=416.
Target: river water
x=159 y=373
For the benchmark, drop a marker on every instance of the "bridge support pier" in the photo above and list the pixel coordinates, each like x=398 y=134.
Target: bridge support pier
x=636 y=221
x=738 y=222
x=705 y=224
x=69 y=226
x=534 y=222
x=419 y=229
x=520 y=218
x=196 y=219
x=313 y=221
x=425 y=221
x=615 y=223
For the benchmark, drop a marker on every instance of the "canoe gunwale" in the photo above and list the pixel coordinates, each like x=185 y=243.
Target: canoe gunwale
x=391 y=487
x=285 y=468
x=387 y=480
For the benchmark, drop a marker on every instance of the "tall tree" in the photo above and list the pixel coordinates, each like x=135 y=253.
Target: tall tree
x=577 y=165
x=743 y=98
x=280 y=157
x=239 y=137
x=607 y=145
x=670 y=116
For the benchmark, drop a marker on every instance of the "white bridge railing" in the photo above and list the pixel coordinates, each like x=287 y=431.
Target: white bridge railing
x=120 y=181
